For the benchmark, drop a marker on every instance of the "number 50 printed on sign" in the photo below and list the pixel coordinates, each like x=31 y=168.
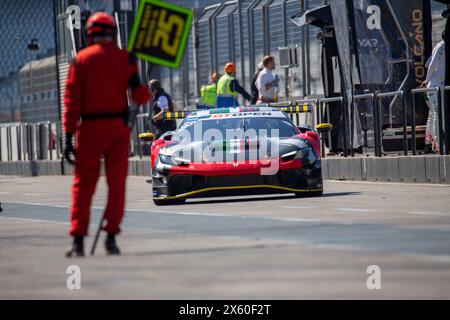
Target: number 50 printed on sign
x=160 y=32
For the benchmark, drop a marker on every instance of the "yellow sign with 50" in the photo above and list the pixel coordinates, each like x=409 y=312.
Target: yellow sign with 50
x=160 y=33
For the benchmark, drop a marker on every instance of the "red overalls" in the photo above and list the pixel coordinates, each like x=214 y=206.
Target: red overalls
x=96 y=87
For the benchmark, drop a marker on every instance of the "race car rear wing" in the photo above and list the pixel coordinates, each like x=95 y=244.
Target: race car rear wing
x=175 y=115
x=286 y=107
x=322 y=128
x=297 y=109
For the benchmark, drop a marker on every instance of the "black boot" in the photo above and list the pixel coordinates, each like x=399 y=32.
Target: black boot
x=77 y=249
x=110 y=245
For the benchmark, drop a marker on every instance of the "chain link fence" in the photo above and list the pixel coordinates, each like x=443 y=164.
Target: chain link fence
x=243 y=32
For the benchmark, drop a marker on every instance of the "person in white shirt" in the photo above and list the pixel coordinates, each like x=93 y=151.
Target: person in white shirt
x=435 y=78
x=267 y=81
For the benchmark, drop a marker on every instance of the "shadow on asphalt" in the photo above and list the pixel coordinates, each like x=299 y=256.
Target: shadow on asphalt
x=340 y=194
x=256 y=199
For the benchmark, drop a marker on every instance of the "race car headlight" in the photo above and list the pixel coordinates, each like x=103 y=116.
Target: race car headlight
x=165 y=159
x=303 y=153
x=297 y=154
x=173 y=161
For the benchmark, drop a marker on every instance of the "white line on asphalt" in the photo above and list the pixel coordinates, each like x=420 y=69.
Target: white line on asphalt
x=424 y=213
x=3 y=192
x=429 y=213
x=205 y=214
x=430 y=257
x=298 y=207
x=355 y=210
x=284 y=219
x=183 y=213
x=436 y=258
x=35 y=220
x=42 y=204
x=436 y=185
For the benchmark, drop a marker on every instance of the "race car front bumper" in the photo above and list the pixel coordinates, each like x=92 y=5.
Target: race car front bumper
x=293 y=180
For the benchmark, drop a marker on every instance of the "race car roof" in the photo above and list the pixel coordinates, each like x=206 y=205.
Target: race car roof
x=244 y=111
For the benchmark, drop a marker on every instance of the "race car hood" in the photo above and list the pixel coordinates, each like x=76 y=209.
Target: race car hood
x=234 y=150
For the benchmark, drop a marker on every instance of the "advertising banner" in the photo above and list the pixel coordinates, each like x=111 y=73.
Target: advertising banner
x=393 y=43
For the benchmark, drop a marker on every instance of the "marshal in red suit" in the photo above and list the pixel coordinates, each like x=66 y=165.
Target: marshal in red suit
x=96 y=111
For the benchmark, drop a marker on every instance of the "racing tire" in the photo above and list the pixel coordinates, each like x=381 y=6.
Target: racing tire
x=312 y=194
x=170 y=202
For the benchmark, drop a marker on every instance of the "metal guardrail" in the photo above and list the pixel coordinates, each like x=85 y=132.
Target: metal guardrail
x=379 y=120
x=315 y=104
x=40 y=141
x=324 y=102
x=30 y=141
x=375 y=99
x=295 y=116
x=371 y=98
x=376 y=102
x=142 y=125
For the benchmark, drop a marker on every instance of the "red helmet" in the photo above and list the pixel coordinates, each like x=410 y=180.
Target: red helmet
x=101 y=24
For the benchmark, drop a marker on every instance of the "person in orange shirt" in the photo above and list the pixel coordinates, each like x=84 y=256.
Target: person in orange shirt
x=96 y=110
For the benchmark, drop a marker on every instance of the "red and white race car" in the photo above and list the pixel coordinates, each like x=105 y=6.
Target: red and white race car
x=235 y=151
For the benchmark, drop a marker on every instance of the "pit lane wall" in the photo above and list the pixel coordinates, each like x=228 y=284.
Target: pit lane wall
x=417 y=169
x=420 y=169
x=57 y=168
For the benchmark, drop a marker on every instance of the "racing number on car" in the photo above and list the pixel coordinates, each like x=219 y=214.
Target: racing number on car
x=160 y=32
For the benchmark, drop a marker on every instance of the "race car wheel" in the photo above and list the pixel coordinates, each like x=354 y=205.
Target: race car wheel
x=309 y=194
x=170 y=202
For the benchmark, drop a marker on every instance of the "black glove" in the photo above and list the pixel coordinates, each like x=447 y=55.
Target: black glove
x=69 y=150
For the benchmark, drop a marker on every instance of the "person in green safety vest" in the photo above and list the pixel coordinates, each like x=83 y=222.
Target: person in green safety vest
x=208 y=93
x=228 y=88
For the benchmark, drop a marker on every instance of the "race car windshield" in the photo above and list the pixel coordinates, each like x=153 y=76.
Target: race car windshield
x=261 y=126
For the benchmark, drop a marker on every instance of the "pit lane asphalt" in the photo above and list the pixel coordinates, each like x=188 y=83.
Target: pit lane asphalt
x=405 y=228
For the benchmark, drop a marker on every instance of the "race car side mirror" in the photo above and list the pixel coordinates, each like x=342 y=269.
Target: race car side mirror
x=324 y=128
x=167 y=136
x=304 y=128
x=147 y=136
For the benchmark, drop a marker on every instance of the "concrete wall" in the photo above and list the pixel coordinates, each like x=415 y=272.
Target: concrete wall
x=421 y=169
x=49 y=168
x=30 y=168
